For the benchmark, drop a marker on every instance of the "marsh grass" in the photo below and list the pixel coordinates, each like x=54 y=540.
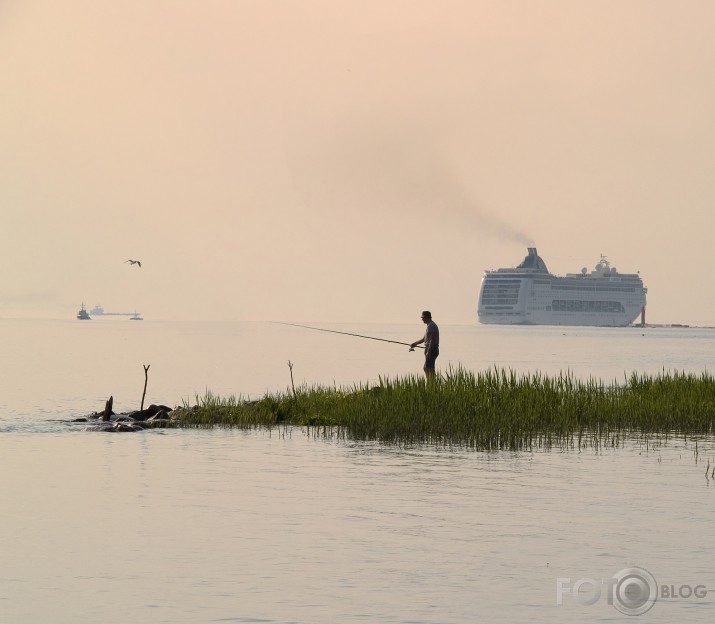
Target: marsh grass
x=490 y=410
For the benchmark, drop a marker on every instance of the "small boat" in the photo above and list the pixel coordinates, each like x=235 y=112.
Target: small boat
x=136 y=317
x=82 y=315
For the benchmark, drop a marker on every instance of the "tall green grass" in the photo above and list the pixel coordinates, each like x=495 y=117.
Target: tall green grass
x=494 y=409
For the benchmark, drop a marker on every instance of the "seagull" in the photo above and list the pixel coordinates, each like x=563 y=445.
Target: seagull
x=134 y=262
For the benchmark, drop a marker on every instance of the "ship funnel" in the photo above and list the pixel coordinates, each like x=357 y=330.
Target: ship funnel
x=533 y=262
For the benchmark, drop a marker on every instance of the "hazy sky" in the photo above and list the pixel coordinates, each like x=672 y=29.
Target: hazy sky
x=356 y=160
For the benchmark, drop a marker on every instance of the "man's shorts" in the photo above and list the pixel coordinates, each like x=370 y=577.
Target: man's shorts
x=431 y=358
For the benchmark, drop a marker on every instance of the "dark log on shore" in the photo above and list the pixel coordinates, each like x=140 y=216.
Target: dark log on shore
x=151 y=412
x=108 y=408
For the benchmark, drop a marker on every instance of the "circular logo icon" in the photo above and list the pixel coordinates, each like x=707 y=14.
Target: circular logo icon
x=635 y=591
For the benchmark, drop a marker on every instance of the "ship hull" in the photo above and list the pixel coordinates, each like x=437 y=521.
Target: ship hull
x=568 y=320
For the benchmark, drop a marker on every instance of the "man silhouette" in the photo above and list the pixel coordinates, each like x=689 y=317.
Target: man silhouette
x=431 y=340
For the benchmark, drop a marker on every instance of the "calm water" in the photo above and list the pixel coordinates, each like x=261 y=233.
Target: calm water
x=226 y=526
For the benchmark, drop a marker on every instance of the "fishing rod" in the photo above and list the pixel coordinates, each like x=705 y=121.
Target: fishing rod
x=333 y=331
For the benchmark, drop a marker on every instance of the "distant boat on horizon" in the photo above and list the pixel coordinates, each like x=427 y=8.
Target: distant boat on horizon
x=82 y=315
x=136 y=317
x=98 y=310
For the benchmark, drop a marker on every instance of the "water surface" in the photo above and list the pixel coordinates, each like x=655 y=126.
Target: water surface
x=281 y=526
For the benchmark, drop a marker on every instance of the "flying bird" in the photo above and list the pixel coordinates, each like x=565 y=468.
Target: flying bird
x=134 y=262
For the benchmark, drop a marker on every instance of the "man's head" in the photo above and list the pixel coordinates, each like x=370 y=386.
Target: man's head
x=426 y=316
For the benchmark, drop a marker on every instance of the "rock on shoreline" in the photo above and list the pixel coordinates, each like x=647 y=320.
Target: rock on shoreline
x=154 y=416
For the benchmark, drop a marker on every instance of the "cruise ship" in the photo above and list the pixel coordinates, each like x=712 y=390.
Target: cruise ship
x=530 y=295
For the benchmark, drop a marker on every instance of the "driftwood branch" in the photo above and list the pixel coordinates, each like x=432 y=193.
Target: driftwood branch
x=146 y=380
x=290 y=366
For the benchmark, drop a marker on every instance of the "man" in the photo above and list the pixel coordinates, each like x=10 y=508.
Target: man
x=431 y=341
